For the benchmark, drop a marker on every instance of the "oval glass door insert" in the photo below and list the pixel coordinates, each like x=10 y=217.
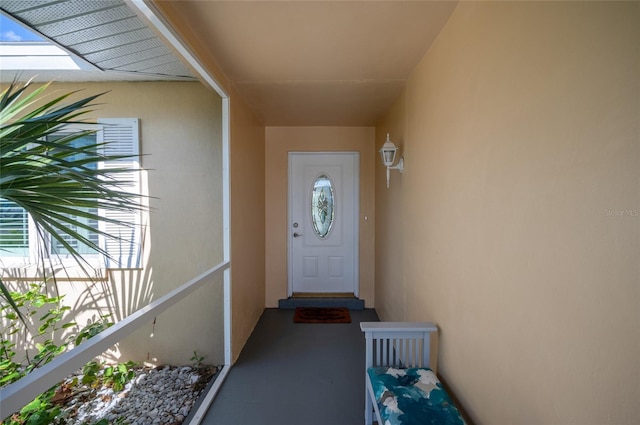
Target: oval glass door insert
x=322 y=206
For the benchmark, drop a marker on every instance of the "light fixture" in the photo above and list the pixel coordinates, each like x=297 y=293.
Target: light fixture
x=388 y=154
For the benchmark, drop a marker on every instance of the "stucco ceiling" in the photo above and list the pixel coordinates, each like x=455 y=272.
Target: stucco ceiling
x=296 y=63
x=316 y=62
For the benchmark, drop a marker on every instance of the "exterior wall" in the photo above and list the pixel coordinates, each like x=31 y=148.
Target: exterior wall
x=247 y=195
x=247 y=223
x=279 y=142
x=180 y=133
x=516 y=221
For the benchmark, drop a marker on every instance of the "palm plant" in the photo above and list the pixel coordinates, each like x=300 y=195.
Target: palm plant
x=56 y=181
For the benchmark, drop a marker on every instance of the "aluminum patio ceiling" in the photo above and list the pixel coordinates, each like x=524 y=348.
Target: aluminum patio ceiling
x=105 y=33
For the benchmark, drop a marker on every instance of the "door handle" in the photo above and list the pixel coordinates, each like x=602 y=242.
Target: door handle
x=296 y=235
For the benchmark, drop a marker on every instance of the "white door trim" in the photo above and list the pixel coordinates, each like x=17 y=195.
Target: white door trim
x=356 y=230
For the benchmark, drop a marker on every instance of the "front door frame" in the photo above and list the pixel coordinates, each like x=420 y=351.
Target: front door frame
x=356 y=212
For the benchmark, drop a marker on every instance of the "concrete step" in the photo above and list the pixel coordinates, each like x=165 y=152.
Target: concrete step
x=294 y=302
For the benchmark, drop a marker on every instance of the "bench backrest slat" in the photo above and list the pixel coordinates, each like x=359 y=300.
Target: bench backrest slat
x=397 y=344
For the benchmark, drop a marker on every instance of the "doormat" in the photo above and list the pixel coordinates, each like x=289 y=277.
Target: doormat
x=322 y=315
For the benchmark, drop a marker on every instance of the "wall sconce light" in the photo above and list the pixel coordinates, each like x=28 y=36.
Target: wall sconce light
x=388 y=154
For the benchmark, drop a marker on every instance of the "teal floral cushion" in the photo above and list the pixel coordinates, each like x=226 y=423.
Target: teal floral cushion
x=412 y=397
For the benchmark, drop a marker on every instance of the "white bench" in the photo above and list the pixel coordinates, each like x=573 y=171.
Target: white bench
x=400 y=387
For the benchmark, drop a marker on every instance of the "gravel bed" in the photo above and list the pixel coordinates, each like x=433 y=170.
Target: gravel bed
x=156 y=396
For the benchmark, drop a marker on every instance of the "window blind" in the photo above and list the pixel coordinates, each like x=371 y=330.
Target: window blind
x=121 y=136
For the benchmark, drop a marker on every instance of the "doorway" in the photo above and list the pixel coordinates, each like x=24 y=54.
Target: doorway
x=323 y=222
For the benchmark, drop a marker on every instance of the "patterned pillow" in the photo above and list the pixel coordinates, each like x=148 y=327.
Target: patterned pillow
x=412 y=397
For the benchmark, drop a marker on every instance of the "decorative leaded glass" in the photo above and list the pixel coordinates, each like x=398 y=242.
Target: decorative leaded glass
x=322 y=206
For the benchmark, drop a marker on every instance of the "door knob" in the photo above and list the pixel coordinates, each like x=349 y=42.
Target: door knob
x=296 y=235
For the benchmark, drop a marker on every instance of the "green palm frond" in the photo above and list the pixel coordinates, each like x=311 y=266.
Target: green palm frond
x=56 y=182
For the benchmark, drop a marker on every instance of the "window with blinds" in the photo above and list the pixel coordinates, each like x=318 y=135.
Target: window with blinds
x=14 y=230
x=56 y=247
x=121 y=137
x=118 y=136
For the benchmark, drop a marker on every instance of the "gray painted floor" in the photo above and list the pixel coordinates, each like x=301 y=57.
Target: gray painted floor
x=296 y=374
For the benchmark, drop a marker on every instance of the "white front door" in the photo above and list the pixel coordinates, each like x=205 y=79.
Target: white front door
x=323 y=222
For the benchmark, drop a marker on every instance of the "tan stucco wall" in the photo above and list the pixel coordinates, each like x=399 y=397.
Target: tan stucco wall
x=279 y=142
x=180 y=139
x=517 y=220
x=247 y=223
x=246 y=135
